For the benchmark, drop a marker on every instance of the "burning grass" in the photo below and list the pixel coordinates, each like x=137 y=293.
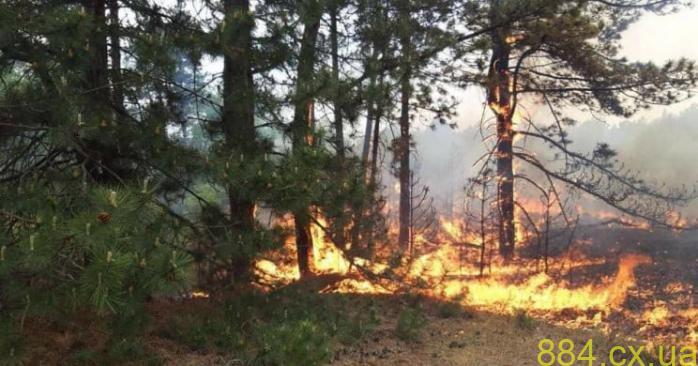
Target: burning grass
x=612 y=289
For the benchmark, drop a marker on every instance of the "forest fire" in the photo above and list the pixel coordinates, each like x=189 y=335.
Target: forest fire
x=327 y=182
x=505 y=288
x=542 y=292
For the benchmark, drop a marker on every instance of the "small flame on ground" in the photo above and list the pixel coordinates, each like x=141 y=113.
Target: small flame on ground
x=199 y=295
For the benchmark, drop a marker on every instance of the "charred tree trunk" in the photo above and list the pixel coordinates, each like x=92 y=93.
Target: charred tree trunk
x=499 y=99
x=403 y=146
x=238 y=116
x=303 y=122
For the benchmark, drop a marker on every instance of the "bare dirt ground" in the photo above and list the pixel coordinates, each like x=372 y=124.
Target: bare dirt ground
x=473 y=339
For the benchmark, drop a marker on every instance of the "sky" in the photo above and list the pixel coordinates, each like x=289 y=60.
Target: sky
x=661 y=38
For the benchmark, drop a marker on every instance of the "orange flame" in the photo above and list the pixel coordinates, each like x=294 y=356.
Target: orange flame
x=507 y=288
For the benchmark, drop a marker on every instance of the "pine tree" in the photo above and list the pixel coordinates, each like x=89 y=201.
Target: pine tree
x=238 y=112
x=310 y=12
x=566 y=53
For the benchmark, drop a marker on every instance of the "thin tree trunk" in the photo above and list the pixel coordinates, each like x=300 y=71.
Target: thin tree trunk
x=97 y=74
x=547 y=230
x=302 y=124
x=337 y=104
x=404 y=146
x=371 y=103
x=411 y=217
x=499 y=100
x=238 y=117
x=99 y=153
x=483 y=237
x=375 y=145
x=369 y=124
x=339 y=222
x=115 y=55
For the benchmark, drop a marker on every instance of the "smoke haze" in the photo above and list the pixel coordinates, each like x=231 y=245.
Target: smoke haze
x=664 y=150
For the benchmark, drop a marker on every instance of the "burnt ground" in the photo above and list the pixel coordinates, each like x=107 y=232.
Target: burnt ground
x=670 y=281
x=674 y=254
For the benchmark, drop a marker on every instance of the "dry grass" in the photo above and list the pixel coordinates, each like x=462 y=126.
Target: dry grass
x=470 y=339
x=450 y=337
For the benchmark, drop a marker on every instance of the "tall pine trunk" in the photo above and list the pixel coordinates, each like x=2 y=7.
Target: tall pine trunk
x=403 y=146
x=301 y=127
x=98 y=154
x=370 y=104
x=375 y=145
x=339 y=221
x=499 y=99
x=336 y=95
x=115 y=56
x=96 y=76
x=368 y=130
x=238 y=116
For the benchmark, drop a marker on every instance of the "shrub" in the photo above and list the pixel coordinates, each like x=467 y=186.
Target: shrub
x=293 y=343
x=410 y=324
x=352 y=329
x=11 y=346
x=524 y=321
x=450 y=309
x=64 y=253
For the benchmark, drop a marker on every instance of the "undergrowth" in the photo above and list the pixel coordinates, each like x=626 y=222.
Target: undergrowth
x=288 y=327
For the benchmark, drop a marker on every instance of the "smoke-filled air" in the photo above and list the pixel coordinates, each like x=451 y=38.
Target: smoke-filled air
x=348 y=182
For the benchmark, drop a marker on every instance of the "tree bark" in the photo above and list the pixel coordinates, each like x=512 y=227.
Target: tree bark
x=115 y=56
x=370 y=102
x=499 y=99
x=303 y=118
x=337 y=103
x=368 y=130
x=96 y=77
x=403 y=147
x=339 y=221
x=375 y=145
x=98 y=155
x=238 y=117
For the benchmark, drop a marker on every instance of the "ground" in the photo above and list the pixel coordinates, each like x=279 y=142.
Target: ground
x=473 y=339
x=451 y=335
x=463 y=338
